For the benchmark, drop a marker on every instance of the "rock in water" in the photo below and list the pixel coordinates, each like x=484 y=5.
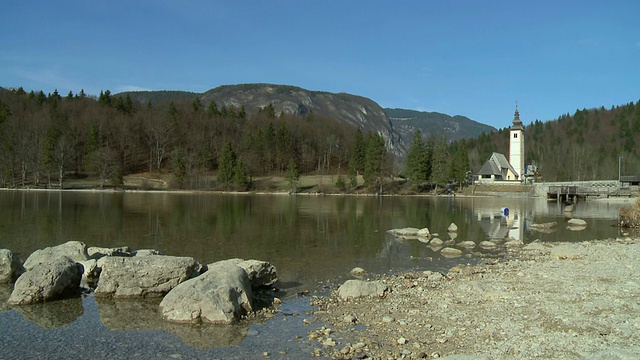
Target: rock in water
x=47 y=281
x=10 y=267
x=450 y=252
x=352 y=289
x=220 y=295
x=358 y=272
x=576 y=222
x=75 y=250
x=452 y=228
x=153 y=275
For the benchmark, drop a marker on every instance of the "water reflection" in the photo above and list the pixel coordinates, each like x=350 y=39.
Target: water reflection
x=52 y=315
x=144 y=314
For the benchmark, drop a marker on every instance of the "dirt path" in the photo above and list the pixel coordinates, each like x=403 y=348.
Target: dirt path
x=553 y=301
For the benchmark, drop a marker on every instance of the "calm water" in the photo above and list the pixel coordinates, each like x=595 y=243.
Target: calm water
x=310 y=240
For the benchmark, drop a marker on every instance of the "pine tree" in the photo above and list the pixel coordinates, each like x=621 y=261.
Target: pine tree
x=416 y=167
x=293 y=175
x=241 y=175
x=226 y=165
x=440 y=162
x=375 y=159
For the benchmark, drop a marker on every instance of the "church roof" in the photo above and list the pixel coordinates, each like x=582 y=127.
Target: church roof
x=495 y=164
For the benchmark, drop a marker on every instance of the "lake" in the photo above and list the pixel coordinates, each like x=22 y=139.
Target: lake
x=313 y=241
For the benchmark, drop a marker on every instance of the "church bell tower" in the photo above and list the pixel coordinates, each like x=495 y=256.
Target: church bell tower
x=516 y=146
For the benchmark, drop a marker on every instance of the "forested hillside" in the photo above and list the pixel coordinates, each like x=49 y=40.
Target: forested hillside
x=586 y=145
x=45 y=139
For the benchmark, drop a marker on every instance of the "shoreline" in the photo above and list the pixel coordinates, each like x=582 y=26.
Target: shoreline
x=546 y=300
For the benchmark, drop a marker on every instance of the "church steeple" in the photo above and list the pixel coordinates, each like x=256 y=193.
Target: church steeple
x=517 y=124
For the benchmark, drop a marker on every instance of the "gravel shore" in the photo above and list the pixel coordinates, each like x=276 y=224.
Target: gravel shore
x=546 y=301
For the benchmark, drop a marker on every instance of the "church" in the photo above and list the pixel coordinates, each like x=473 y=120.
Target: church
x=498 y=168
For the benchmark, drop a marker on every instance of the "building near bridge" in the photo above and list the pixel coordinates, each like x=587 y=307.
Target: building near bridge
x=498 y=168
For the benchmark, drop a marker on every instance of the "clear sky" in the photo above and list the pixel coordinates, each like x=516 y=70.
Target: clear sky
x=475 y=58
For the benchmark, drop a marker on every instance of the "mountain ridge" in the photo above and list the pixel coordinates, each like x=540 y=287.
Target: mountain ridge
x=352 y=109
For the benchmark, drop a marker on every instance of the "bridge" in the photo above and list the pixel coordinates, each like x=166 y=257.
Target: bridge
x=565 y=190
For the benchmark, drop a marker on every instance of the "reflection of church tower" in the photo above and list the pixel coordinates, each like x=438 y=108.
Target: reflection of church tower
x=516 y=146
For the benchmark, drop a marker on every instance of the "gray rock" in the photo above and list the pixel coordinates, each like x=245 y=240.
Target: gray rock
x=576 y=222
x=47 y=281
x=514 y=244
x=450 y=252
x=358 y=272
x=145 y=252
x=90 y=274
x=405 y=232
x=153 y=275
x=75 y=250
x=352 y=289
x=424 y=232
x=220 y=295
x=261 y=273
x=10 y=267
x=436 y=242
x=488 y=245
x=452 y=228
x=95 y=252
x=467 y=244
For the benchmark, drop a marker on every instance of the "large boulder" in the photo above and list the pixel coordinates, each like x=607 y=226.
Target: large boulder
x=47 y=281
x=221 y=295
x=140 y=276
x=352 y=289
x=75 y=250
x=10 y=267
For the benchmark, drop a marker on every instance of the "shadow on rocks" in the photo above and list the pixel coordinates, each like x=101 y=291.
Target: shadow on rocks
x=116 y=315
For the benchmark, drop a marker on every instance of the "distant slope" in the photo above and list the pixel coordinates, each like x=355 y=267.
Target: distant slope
x=455 y=128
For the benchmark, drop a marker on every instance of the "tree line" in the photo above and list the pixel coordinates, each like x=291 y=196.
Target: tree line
x=590 y=144
x=46 y=139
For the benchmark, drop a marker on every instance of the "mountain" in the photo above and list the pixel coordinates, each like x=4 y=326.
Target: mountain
x=406 y=122
x=396 y=126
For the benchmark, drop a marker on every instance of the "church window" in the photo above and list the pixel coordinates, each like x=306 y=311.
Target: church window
x=515 y=135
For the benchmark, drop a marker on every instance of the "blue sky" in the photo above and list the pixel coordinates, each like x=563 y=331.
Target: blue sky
x=473 y=58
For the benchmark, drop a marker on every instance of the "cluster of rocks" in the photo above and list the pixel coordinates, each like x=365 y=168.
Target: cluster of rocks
x=191 y=292
x=551 y=300
x=451 y=247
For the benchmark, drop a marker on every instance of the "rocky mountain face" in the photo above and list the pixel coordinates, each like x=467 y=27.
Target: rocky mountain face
x=354 y=110
x=396 y=126
x=406 y=122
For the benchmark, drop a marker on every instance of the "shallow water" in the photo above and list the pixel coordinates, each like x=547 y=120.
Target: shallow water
x=311 y=240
